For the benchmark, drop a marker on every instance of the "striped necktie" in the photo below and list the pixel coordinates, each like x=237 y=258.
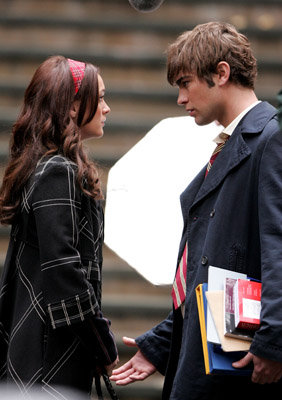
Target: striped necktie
x=216 y=152
x=179 y=285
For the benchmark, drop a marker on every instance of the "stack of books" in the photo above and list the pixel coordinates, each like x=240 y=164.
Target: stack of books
x=229 y=311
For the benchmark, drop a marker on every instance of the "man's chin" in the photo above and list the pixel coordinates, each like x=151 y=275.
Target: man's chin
x=202 y=122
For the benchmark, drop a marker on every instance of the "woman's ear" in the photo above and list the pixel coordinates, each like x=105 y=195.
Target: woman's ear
x=74 y=110
x=223 y=72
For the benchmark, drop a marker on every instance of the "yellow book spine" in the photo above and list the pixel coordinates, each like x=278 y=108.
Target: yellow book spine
x=201 y=313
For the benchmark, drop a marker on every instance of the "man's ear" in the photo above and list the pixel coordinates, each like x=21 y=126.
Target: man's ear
x=223 y=72
x=74 y=110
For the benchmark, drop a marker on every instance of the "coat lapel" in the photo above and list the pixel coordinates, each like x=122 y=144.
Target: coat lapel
x=232 y=155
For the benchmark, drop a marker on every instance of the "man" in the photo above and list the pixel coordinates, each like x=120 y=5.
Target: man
x=232 y=214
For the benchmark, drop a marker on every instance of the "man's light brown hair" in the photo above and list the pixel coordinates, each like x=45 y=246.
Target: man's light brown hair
x=199 y=51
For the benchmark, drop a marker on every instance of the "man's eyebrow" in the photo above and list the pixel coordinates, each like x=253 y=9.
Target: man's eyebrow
x=178 y=82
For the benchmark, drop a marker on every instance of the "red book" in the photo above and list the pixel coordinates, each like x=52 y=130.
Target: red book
x=247 y=298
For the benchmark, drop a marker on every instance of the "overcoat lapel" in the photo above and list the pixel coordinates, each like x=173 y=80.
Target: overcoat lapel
x=233 y=153
x=236 y=149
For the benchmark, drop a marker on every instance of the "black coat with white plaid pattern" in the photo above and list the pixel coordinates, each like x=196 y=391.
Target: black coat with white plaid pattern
x=51 y=283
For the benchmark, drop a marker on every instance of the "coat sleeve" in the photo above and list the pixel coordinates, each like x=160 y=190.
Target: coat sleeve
x=267 y=342
x=97 y=338
x=155 y=344
x=69 y=296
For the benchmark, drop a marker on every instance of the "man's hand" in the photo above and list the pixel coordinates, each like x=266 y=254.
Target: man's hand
x=265 y=371
x=137 y=368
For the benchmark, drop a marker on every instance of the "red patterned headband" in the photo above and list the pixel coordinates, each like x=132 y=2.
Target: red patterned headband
x=77 y=69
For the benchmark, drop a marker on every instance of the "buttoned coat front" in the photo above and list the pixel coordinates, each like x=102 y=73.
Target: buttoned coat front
x=232 y=220
x=52 y=282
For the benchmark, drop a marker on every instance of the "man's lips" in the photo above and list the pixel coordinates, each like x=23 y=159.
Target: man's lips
x=191 y=111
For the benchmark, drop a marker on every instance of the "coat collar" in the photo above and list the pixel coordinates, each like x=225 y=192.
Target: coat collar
x=234 y=152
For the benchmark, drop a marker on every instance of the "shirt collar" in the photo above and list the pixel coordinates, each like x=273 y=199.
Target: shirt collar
x=228 y=130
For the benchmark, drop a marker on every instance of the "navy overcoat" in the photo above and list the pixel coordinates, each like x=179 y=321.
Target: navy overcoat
x=232 y=220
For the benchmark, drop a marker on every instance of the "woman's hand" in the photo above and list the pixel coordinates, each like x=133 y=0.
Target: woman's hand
x=137 y=368
x=109 y=368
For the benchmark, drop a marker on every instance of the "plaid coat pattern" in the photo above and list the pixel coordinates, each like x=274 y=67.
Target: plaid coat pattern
x=52 y=282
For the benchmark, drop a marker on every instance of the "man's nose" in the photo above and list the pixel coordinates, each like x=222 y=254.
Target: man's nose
x=182 y=98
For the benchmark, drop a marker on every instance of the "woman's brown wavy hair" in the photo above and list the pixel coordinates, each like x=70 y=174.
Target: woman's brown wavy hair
x=44 y=128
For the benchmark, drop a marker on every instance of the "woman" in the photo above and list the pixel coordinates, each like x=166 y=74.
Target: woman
x=52 y=332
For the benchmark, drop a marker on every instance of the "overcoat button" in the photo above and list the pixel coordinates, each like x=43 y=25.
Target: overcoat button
x=212 y=213
x=204 y=260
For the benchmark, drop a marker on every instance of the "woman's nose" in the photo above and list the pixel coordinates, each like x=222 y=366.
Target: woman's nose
x=106 y=109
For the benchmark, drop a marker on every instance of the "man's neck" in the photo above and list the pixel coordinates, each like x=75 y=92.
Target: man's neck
x=237 y=100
